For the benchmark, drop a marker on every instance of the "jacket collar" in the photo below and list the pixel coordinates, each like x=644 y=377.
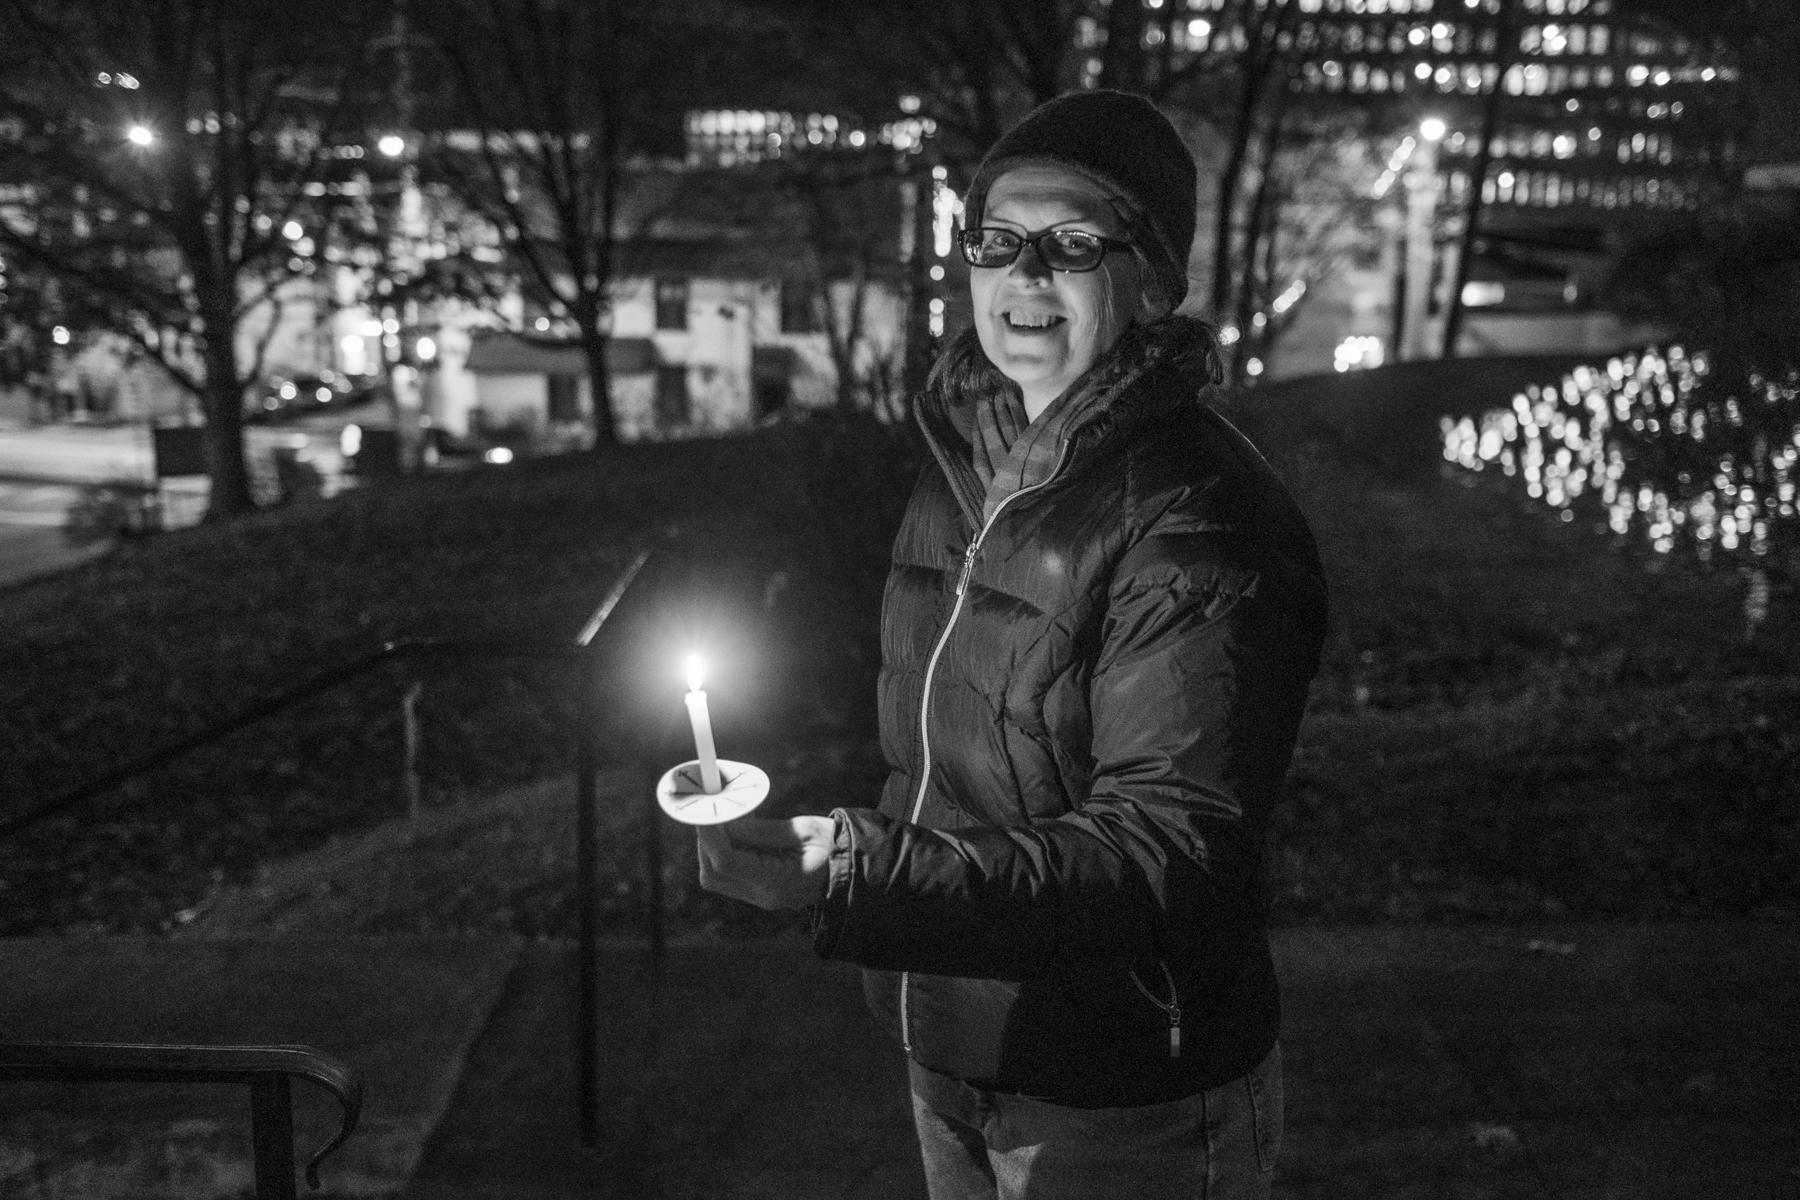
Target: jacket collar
x=1105 y=403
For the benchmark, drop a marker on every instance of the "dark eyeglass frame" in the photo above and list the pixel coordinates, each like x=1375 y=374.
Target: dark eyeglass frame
x=969 y=240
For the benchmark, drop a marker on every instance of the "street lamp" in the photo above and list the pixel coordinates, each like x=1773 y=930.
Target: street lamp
x=1421 y=252
x=140 y=135
x=392 y=145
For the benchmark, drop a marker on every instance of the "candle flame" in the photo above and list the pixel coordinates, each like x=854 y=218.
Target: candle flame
x=696 y=672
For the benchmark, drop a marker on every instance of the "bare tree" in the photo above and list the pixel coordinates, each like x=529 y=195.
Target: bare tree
x=977 y=65
x=1313 y=215
x=1251 y=66
x=547 y=91
x=157 y=152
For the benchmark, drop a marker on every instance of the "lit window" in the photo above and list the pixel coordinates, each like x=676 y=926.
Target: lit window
x=1483 y=294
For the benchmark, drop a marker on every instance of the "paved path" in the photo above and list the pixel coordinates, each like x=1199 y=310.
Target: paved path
x=1576 y=1062
x=402 y=1011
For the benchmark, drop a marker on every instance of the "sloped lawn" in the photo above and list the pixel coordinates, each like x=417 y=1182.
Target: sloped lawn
x=1515 y=718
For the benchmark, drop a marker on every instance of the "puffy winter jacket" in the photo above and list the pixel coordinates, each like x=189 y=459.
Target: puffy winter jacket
x=1088 y=702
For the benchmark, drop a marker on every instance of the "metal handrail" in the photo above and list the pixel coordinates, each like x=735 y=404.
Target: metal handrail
x=397 y=648
x=585 y=726
x=266 y=1070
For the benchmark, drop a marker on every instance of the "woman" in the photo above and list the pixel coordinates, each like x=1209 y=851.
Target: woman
x=1100 y=624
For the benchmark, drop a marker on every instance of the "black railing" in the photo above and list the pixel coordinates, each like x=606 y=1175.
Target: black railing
x=266 y=1070
x=584 y=734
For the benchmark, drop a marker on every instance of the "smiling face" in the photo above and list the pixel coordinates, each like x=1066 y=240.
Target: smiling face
x=1044 y=328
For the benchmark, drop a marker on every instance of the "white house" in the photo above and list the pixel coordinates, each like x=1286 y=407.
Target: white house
x=701 y=345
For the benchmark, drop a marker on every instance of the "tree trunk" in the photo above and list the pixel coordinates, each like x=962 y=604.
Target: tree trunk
x=1262 y=31
x=1257 y=230
x=1230 y=179
x=1122 y=60
x=1490 y=127
x=859 y=290
x=223 y=401
x=594 y=348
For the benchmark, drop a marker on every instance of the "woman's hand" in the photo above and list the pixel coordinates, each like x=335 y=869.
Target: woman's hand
x=771 y=864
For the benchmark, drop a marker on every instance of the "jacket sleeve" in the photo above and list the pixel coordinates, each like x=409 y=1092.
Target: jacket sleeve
x=1196 y=695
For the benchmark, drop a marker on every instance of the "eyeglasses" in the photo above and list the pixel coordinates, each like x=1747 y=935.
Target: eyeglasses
x=1060 y=249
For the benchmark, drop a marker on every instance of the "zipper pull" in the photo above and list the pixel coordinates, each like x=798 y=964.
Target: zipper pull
x=968 y=565
x=1174 y=1031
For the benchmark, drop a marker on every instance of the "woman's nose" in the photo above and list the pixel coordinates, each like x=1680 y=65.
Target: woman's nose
x=1029 y=266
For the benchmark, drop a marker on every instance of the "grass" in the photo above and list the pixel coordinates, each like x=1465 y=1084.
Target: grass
x=1515 y=718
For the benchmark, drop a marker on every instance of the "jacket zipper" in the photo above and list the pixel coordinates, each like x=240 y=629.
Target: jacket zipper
x=962 y=585
x=1171 y=1010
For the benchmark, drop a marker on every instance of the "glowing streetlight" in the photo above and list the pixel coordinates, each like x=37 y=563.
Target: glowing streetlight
x=140 y=135
x=427 y=349
x=392 y=145
x=1433 y=129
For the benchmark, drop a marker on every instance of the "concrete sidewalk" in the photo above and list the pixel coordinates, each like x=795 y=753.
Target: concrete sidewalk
x=1584 y=1061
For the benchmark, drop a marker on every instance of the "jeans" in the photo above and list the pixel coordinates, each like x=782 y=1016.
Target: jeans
x=1217 y=1145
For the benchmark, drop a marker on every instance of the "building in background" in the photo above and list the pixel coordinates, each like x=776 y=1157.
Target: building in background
x=1601 y=122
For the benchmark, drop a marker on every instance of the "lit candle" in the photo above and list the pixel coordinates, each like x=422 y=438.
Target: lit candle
x=702 y=723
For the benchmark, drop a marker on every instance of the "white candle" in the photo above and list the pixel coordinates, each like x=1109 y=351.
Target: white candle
x=702 y=723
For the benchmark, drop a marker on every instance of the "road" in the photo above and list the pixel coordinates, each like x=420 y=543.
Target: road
x=32 y=541
x=45 y=472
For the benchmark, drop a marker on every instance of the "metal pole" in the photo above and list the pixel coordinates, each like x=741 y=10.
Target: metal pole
x=272 y=1137
x=409 y=767
x=587 y=968
x=1421 y=221
x=653 y=862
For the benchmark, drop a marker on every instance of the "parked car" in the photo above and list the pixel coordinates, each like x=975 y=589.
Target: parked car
x=283 y=399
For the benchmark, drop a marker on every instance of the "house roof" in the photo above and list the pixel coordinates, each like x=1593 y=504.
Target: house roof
x=506 y=353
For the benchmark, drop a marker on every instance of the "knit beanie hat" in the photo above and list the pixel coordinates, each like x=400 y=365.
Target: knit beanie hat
x=1124 y=145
